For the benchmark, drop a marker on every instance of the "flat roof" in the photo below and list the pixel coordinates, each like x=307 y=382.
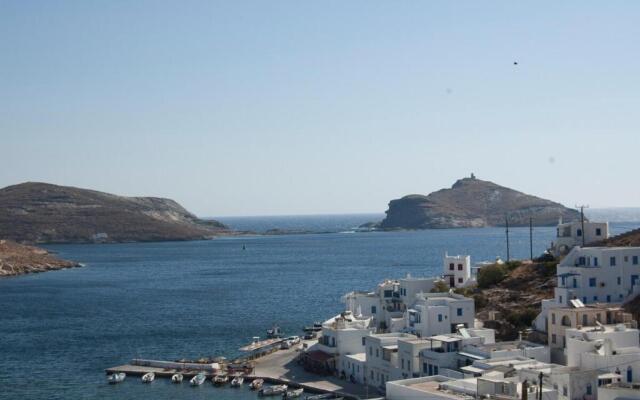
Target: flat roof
x=358 y=357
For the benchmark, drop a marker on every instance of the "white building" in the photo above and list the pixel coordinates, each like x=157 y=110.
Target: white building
x=383 y=304
x=437 y=313
x=456 y=270
x=343 y=338
x=619 y=391
x=608 y=348
x=573 y=234
x=598 y=275
x=381 y=363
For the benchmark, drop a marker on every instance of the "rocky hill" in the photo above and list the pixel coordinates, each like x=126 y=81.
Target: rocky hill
x=472 y=202
x=631 y=238
x=17 y=259
x=43 y=213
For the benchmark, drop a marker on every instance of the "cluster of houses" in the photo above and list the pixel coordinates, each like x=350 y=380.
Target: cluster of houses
x=406 y=341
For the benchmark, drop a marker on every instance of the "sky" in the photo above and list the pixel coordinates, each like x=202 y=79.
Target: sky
x=297 y=107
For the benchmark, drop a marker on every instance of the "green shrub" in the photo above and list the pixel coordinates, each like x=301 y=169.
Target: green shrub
x=440 y=287
x=480 y=301
x=521 y=318
x=491 y=275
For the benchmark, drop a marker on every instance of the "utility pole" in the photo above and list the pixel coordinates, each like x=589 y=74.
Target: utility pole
x=506 y=221
x=540 y=385
x=531 y=237
x=582 y=207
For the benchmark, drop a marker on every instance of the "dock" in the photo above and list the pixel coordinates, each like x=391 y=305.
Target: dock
x=261 y=345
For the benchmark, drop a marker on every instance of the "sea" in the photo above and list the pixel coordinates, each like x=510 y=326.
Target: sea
x=172 y=300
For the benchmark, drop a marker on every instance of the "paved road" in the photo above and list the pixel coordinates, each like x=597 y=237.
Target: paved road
x=282 y=365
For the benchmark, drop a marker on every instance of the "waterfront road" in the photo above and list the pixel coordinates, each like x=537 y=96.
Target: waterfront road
x=282 y=366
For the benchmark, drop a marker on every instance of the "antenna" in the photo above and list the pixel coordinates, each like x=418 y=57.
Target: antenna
x=582 y=207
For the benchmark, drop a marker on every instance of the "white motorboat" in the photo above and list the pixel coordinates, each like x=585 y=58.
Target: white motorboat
x=291 y=394
x=256 y=384
x=274 y=332
x=220 y=379
x=177 y=378
x=237 y=381
x=116 y=378
x=148 y=377
x=273 y=390
x=198 y=379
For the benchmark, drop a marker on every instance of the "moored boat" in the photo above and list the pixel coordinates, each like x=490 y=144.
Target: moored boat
x=273 y=390
x=198 y=379
x=256 y=384
x=148 y=377
x=292 y=394
x=220 y=379
x=237 y=381
x=274 y=332
x=116 y=378
x=321 y=396
x=177 y=378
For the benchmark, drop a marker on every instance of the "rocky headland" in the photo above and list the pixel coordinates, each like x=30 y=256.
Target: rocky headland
x=35 y=212
x=470 y=203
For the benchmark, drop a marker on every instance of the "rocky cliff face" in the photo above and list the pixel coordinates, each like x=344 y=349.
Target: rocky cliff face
x=45 y=213
x=473 y=202
x=18 y=259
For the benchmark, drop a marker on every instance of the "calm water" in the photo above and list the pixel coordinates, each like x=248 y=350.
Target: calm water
x=59 y=330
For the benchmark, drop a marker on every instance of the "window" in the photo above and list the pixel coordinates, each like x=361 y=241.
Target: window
x=373 y=309
x=595 y=298
x=371 y=375
x=363 y=340
x=585 y=320
x=402 y=362
x=459 y=312
x=589 y=389
x=553 y=338
x=459 y=267
x=388 y=293
x=575 y=283
x=553 y=318
x=370 y=350
x=566 y=321
x=565 y=391
x=439 y=317
x=612 y=261
x=435 y=370
x=634 y=260
x=584 y=299
x=579 y=232
x=377 y=353
x=595 y=261
x=608 y=298
x=408 y=365
x=629 y=374
x=424 y=368
x=582 y=261
x=459 y=280
x=598 y=233
x=560 y=299
x=452 y=267
x=619 y=281
x=592 y=282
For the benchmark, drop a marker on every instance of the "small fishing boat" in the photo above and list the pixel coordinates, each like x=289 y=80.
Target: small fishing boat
x=148 y=377
x=198 y=379
x=237 y=381
x=116 y=378
x=220 y=379
x=292 y=394
x=274 y=332
x=275 y=390
x=177 y=378
x=316 y=327
x=256 y=384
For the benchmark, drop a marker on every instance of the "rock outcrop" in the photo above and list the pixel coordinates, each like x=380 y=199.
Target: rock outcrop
x=18 y=259
x=44 y=213
x=472 y=202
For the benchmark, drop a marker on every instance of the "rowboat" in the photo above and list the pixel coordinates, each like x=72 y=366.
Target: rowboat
x=198 y=379
x=256 y=384
x=177 y=378
x=148 y=377
x=273 y=390
x=220 y=379
x=237 y=381
x=116 y=378
x=294 y=393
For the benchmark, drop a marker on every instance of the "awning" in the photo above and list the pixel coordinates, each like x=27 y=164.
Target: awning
x=318 y=355
x=469 y=355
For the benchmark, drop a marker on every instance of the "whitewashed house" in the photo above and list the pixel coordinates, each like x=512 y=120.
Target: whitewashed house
x=571 y=234
x=383 y=305
x=608 y=348
x=437 y=313
x=456 y=270
x=598 y=275
x=381 y=363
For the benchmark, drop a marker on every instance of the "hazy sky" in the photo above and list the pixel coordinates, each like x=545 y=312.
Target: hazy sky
x=298 y=107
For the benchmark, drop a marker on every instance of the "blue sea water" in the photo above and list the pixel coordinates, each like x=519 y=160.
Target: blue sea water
x=60 y=330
